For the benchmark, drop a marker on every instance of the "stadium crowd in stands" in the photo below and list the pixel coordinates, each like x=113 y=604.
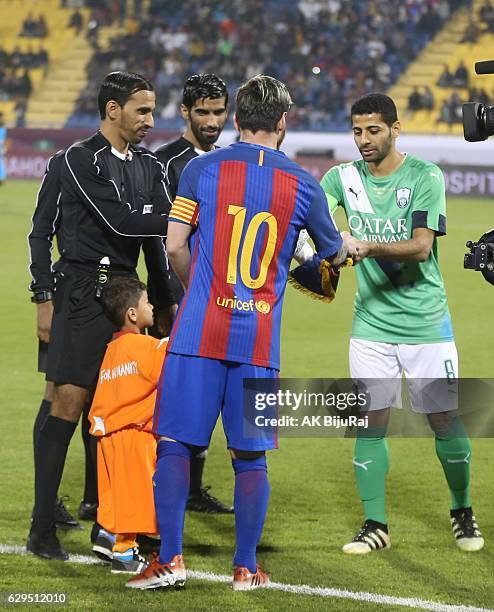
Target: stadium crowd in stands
x=451 y=107
x=14 y=84
x=421 y=100
x=450 y=112
x=102 y=13
x=458 y=81
x=15 y=80
x=472 y=32
x=458 y=78
x=34 y=28
x=328 y=52
x=28 y=59
x=486 y=16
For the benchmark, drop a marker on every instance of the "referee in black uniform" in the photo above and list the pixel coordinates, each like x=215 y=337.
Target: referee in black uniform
x=112 y=198
x=45 y=224
x=204 y=109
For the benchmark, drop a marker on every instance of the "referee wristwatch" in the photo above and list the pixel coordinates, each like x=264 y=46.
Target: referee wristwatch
x=42 y=296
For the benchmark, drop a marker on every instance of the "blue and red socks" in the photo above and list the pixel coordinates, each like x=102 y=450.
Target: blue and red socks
x=251 y=503
x=171 y=491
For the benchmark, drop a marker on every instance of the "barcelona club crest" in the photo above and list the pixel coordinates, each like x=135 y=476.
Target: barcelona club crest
x=403 y=197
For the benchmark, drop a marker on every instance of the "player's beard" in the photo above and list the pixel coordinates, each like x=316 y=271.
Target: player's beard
x=136 y=138
x=281 y=138
x=381 y=152
x=133 y=131
x=132 y=134
x=205 y=140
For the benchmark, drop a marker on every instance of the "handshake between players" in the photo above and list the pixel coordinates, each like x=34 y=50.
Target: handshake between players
x=352 y=248
x=318 y=278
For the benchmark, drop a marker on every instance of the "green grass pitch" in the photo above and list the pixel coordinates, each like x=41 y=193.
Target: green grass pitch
x=314 y=508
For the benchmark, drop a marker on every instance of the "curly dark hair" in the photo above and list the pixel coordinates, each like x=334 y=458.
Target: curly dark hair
x=201 y=86
x=376 y=103
x=120 y=294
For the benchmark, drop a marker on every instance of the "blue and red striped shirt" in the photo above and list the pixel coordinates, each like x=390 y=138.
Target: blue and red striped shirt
x=247 y=205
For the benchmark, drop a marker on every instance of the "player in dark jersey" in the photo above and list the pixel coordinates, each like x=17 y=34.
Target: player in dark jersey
x=204 y=109
x=233 y=230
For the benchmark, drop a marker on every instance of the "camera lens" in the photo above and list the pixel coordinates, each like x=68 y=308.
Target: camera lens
x=488 y=120
x=478 y=121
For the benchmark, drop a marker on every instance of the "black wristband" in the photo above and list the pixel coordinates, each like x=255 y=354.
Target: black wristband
x=42 y=296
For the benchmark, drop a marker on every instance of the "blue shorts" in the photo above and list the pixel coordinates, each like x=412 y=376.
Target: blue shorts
x=194 y=390
x=2 y=169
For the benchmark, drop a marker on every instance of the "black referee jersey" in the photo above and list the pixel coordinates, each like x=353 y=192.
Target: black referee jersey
x=99 y=203
x=110 y=202
x=175 y=156
x=45 y=224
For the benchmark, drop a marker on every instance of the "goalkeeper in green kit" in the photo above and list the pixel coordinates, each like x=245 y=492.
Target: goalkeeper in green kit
x=395 y=207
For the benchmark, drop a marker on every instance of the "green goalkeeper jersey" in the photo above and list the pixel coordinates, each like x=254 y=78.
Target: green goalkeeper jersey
x=396 y=302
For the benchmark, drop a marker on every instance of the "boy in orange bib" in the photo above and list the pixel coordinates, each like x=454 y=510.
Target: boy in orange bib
x=121 y=417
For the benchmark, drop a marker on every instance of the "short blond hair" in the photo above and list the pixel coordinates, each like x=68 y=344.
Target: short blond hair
x=261 y=102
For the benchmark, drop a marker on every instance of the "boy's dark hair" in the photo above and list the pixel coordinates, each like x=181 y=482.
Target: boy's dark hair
x=119 y=86
x=260 y=103
x=120 y=294
x=376 y=103
x=201 y=86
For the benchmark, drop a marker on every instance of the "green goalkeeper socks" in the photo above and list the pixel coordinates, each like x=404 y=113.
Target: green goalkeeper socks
x=455 y=455
x=371 y=462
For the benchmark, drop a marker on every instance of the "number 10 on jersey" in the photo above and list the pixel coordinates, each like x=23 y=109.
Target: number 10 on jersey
x=239 y=213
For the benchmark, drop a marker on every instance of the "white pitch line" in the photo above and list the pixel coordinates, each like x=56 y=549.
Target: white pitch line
x=298 y=589
x=5 y=549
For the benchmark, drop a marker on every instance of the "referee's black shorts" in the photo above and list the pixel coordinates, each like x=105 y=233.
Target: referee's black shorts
x=80 y=330
x=42 y=356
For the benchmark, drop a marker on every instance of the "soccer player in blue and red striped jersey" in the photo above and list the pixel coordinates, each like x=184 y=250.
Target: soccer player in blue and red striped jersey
x=232 y=233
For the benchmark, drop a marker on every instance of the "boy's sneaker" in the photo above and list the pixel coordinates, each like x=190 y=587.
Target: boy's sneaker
x=202 y=501
x=372 y=536
x=128 y=562
x=63 y=518
x=103 y=542
x=245 y=580
x=158 y=575
x=465 y=529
